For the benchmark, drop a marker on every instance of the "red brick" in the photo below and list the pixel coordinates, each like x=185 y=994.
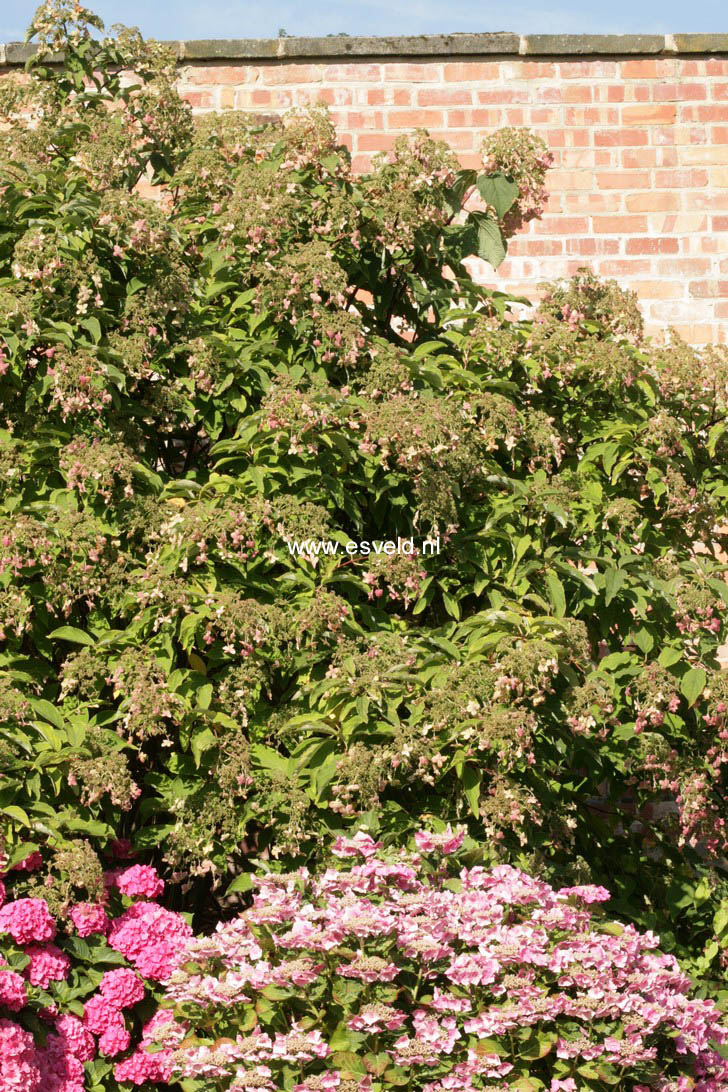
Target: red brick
x=375 y=142
x=721 y=310
x=361 y=121
x=626 y=267
x=639 y=157
x=577 y=93
x=719 y=92
x=592 y=202
x=647 y=70
x=562 y=225
x=619 y=138
x=460 y=140
x=708 y=289
x=658 y=290
x=589 y=70
x=415 y=119
x=720 y=223
x=656 y=114
x=389 y=96
x=591 y=115
x=654 y=201
x=682 y=267
x=226 y=74
x=198 y=100
x=439 y=96
x=544 y=115
x=623 y=180
x=334 y=96
x=470 y=71
x=536 y=247
x=290 y=73
x=405 y=72
x=714 y=112
x=591 y=246
x=679 y=92
x=502 y=95
x=570 y=180
x=685 y=179
x=619 y=225
x=529 y=70
x=361 y=72
x=652 y=246
x=710 y=66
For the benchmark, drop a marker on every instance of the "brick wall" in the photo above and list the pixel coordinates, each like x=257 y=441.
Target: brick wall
x=638 y=126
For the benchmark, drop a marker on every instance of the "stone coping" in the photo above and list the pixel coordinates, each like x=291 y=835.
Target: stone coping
x=339 y=47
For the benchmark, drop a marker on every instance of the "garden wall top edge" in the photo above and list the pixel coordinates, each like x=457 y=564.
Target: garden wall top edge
x=432 y=45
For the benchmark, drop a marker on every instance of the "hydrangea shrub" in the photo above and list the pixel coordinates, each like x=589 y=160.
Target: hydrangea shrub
x=417 y=970
x=216 y=341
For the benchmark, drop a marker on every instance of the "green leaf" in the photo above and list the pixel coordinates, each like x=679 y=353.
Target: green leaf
x=491 y=244
x=613 y=580
x=243 y=882
x=348 y=1062
x=556 y=593
x=472 y=778
x=498 y=191
x=48 y=712
x=692 y=684
x=71 y=633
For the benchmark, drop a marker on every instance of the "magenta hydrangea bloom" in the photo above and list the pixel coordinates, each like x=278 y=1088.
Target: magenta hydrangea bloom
x=12 y=990
x=115 y=1037
x=99 y=1013
x=78 y=1040
x=61 y=1070
x=18 y=1063
x=122 y=987
x=88 y=918
x=27 y=920
x=151 y=938
x=140 y=880
x=47 y=964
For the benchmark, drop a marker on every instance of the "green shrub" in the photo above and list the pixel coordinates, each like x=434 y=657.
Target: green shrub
x=276 y=351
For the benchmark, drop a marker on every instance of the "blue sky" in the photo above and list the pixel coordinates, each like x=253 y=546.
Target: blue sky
x=263 y=18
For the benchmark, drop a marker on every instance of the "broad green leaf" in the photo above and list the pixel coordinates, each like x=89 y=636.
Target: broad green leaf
x=693 y=684
x=498 y=191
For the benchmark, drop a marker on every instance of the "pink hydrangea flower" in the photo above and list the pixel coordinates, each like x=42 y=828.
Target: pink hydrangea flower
x=2 y=893
x=47 y=964
x=586 y=892
x=140 y=880
x=27 y=920
x=122 y=987
x=78 y=1040
x=30 y=863
x=18 y=1063
x=88 y=918
x=447 y=842
x=115 y=1038
x=141 y=1067
x=60 y=1069
x=361 y=844
x=12 y=989
x=99 y=1013
x=151 y=938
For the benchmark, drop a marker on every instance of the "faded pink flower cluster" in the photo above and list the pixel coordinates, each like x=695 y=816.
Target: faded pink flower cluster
x=437 y=974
